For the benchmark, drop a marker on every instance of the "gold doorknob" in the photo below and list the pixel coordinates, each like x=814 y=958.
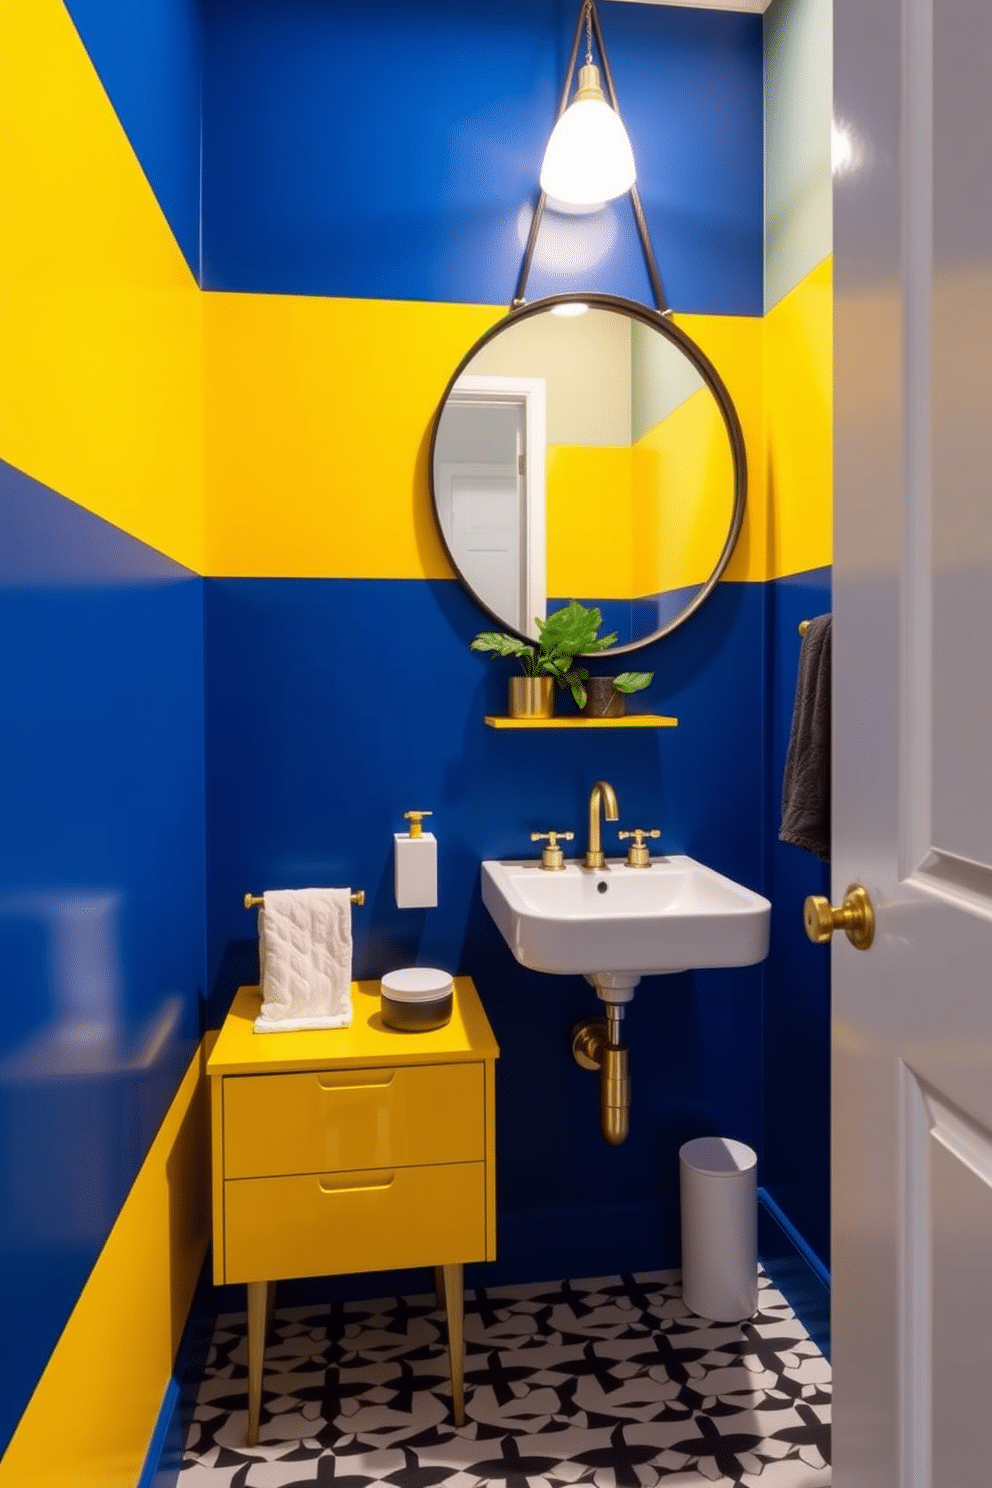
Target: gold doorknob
x=855 y=917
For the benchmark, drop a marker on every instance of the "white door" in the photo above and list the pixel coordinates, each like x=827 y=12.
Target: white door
x=912 y=1092
x=485 y=521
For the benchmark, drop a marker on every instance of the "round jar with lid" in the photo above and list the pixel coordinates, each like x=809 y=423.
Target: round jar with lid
x=416 y=999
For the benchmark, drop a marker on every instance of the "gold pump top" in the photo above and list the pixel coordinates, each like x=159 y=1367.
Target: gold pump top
x=415 y=819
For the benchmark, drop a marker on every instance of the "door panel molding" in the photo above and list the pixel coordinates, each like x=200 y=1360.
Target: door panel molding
x=916 y=1266
x=938 y=1198
x=957 y=880
x=917 y=611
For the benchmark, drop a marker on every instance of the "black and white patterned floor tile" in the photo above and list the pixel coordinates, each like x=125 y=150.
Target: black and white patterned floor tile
x=610 y=1382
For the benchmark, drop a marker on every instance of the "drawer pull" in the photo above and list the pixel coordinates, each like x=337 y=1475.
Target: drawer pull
x=346 y=1184
x=355 y=1080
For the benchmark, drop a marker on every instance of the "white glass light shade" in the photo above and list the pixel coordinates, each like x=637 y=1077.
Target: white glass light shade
x=588 y=160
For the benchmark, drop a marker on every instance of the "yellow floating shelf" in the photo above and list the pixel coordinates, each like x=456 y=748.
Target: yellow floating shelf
x=629 y=721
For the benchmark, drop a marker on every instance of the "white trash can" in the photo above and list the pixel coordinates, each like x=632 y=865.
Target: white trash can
x=719 y=1193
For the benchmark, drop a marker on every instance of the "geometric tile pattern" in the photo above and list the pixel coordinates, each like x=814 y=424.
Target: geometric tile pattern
x=610 y=1382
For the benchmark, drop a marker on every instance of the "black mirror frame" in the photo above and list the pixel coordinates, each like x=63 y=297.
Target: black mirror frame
x=659 y=322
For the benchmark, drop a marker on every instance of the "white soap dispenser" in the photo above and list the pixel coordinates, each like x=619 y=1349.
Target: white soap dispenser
x=415 y=864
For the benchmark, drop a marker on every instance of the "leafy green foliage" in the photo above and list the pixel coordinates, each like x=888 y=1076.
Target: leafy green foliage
x=567 y=633
x=506 y=645
x=575 y=680
x=573 y=631
x=633 y=681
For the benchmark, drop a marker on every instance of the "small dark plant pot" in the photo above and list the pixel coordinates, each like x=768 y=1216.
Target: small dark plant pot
x=602 y=699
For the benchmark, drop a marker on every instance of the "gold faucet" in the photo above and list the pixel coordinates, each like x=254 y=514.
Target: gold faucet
x=602 y=795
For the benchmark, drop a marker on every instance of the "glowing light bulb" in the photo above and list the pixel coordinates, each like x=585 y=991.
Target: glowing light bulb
x=588 y=160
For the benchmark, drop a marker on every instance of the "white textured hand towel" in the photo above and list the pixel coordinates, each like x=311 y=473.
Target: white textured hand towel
x=304 y=948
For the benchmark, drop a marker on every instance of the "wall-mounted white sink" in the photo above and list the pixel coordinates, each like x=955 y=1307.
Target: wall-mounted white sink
x=674 y=915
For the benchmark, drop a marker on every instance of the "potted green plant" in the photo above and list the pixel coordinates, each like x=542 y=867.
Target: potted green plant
x=570 y=632
x=605 y=695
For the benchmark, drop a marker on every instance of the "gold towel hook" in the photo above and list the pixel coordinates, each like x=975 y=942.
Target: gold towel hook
x=255 y=901
x=803 y=627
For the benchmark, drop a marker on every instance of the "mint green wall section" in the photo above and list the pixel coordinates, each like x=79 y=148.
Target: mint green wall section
x=662 y=380
x=798 y=41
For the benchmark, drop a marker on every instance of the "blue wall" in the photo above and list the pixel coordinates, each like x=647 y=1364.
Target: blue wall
x=101 y=892
x=796 y=1044
x=389 y=151
x=318 y=147
x=316 y=744
x=290 y=122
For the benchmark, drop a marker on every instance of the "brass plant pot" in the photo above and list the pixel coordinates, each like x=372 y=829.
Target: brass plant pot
x=602 y=699
x=532 y=697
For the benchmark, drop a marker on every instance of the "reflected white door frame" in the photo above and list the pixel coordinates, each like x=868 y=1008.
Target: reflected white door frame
x=529 y=395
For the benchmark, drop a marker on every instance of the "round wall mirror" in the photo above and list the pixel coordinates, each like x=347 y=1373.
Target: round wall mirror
x=587 y=449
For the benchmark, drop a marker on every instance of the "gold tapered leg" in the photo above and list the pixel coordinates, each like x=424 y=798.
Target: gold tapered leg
x=260 y=1296
x=452 y=1278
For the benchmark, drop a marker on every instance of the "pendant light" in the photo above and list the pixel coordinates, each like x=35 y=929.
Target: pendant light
x=595 y=180
x=588 y=160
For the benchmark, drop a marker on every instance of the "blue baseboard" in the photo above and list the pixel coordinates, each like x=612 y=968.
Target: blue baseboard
x=795 y=1269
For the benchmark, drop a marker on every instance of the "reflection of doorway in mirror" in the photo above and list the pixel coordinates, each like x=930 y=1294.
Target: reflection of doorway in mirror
x=643 y=486
x=489 y=468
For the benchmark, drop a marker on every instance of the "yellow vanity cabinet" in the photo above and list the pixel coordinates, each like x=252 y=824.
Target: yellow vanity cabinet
x=353 y=1149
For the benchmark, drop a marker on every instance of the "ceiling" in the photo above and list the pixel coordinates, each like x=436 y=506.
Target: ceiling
x=755 y=7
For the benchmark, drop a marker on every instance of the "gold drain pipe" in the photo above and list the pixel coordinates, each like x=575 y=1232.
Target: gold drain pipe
x=596 y=1045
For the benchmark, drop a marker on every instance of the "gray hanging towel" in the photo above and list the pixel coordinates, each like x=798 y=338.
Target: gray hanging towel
x=806 y=781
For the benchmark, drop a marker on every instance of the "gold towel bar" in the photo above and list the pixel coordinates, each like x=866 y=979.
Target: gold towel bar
x=255 y=901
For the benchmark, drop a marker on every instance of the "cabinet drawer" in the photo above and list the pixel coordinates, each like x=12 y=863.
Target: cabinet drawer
x=337 y=1120
x=322 y=1224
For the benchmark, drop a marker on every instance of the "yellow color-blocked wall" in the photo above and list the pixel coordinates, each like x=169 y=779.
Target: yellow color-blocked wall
x=91 y=1417
x=798 y=446
x=685 y=476
x=589 y=522
x=319 y=414
x=735 y=346
x=318 y=429
x=101 y=393
x=251 y=435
